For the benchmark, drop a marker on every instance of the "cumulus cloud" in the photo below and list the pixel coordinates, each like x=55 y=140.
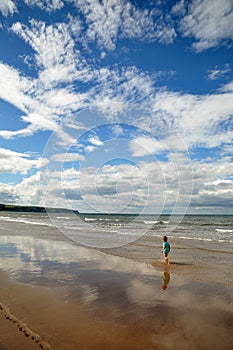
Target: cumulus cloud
x=156 y=186
x=8 y=194
x=28 y=191
x=15 y=162
x=210 y=22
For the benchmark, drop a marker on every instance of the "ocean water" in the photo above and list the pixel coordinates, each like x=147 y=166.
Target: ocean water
x=114 y=230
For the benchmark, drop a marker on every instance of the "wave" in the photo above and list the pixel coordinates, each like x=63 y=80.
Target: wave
x=147 y=222
x=205 y=239
x=156 y=222
x=223 y=230
x=4 y=218
x=63 y=217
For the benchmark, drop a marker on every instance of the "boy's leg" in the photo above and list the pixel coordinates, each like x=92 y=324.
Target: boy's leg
x=166 y=259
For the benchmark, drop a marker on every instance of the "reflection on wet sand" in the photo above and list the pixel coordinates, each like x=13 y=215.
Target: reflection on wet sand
x=165 y=277
x=117 y=301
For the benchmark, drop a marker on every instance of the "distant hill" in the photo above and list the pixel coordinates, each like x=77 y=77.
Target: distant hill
x=20 y=208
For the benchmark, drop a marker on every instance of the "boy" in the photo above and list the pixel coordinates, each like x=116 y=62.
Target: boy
x=166 y=249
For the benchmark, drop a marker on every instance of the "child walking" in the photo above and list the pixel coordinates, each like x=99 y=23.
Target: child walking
x=166 y=249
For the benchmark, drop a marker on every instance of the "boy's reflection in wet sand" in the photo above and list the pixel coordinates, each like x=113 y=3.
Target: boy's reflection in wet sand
x=165 y=278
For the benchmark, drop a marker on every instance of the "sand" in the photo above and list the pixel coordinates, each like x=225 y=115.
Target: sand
x=44 y=320
x=132 y=310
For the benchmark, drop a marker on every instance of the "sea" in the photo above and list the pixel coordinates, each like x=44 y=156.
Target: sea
x=115 y=230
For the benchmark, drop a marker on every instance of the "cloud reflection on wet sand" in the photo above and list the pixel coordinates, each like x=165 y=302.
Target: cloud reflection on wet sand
x=127 y=295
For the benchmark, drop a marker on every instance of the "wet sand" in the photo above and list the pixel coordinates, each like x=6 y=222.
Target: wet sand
x=133 y=308
x=55 y=295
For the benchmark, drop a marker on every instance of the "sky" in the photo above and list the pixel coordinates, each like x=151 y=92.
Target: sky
x=117 y=106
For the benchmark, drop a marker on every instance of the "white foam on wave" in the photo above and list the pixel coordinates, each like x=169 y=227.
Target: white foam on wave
x=205 y=239
x=147 y=222
x=150 y=222
x=223 y=230
x=4 y=218
x=63 y=217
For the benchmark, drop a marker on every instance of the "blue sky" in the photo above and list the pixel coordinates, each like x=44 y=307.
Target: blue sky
x=117 y=105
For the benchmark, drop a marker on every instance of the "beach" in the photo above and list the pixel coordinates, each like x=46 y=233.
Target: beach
x=57 y=294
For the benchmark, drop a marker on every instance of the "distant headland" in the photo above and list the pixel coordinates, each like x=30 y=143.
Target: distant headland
x=36 y=209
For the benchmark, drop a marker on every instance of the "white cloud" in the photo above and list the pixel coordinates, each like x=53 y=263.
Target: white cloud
x=156 y=185
x=90 y=148
x=113 y=92
x=227 y=87
x=54 y=49
x=179 y=8
x=94 y=140
x=217 y=73
x=14 y=88
x=198 y=119
x=120 y=91
x=8 y=193
x=19 y=91
x=47 y=5
x=41 y=102
x=108 y=105
x=28 y=191
x=109 y=20
x=142 y=146
x=67 y=157
x=117 y=129
x=210 y=22
x=14 y=162
x=7 y=7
